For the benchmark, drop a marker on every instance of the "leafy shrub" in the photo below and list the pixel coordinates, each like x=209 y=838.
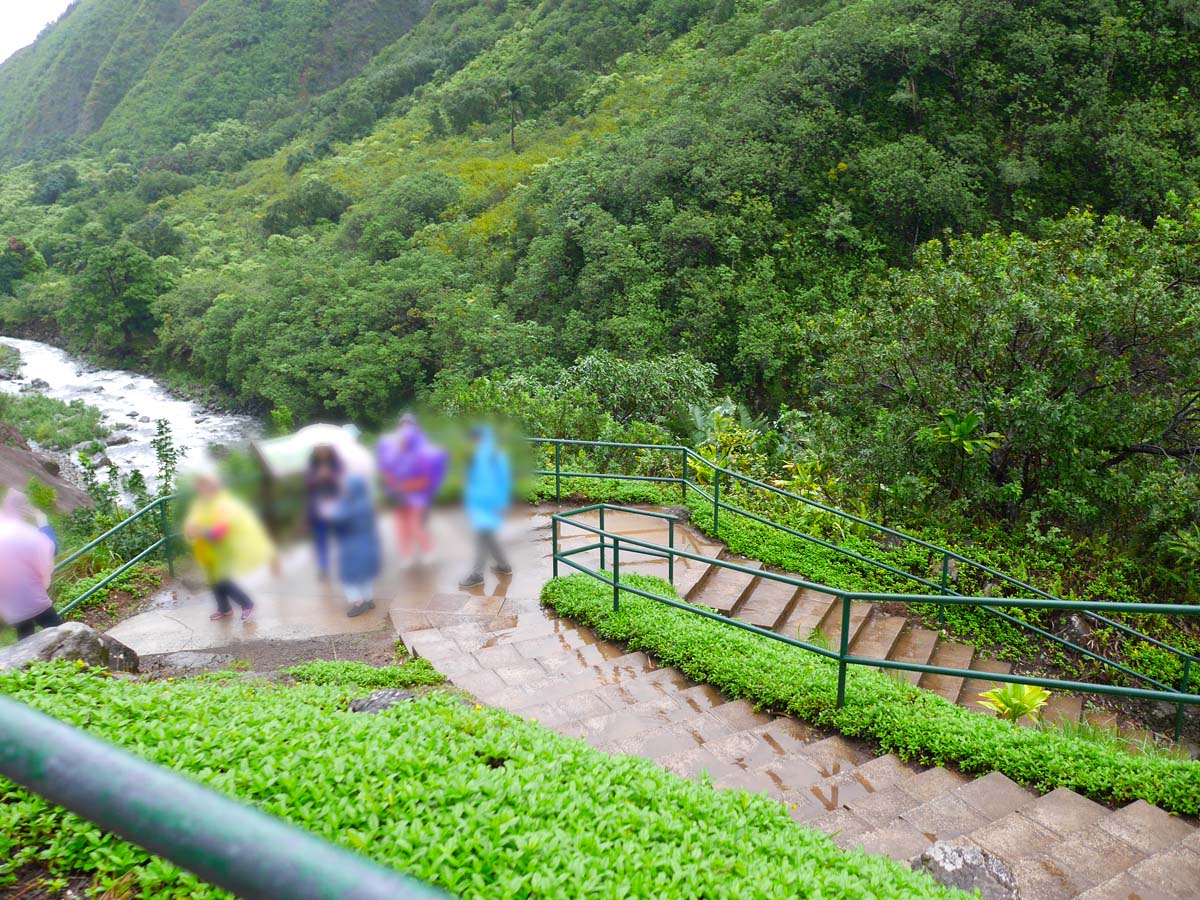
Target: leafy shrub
x=474 y=800
x=899 y=717
x=412 y=673
x=50 y=422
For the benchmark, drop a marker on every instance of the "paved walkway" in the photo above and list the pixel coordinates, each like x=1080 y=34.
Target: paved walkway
x=498 y=643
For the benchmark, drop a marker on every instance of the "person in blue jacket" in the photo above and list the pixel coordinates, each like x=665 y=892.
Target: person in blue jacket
x=350 y=513
x=486 y=496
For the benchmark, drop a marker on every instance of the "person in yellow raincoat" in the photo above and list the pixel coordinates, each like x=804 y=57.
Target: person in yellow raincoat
x=228 y=540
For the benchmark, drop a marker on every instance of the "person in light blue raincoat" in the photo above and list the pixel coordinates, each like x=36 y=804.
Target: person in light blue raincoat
x=486 y=495
x=350 y=514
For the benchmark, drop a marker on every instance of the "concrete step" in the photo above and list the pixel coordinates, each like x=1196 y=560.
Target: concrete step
x=724 y=587
x=831 y=625
x=859 y=816
x=946 y=817
x=1038 y=825
x=1062 y=707
x=952 y=655
x=807 y=612
x=914 y=645
x=767 y=603
x=877 y=635
x=968 y=696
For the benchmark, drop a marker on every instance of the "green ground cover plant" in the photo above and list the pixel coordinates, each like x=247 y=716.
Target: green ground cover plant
x=52 y=423
x=898 y=717
x=413 y=672
x=474 y=800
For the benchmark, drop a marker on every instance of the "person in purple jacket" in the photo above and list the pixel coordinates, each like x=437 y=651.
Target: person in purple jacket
x=413 y=470
x=26 y=566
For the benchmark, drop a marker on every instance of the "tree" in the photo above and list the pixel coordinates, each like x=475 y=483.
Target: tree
x=1080 y=352
x=113 y=305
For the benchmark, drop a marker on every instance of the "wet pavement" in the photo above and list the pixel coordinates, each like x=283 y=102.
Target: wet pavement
x=295 y=604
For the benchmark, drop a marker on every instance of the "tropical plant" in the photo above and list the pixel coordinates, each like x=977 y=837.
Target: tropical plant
x=1013 y=702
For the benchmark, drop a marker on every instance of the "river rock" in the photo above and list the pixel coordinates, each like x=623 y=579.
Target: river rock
x=101 y=462
x=133 y=415
x=118 y=440
x=37 y=384
x=380 y=700
x=72 y=641
x=968 y=867
x=50 y=465
x=144 y=419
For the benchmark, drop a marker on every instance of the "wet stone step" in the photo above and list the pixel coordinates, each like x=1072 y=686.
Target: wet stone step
x=877 y=635
x=968 y=696
x=724 y=587
x=914 y=645
x=831 y=626
x=1062 y=707
x=767 y=603
x=951 y=655
x=807 y=612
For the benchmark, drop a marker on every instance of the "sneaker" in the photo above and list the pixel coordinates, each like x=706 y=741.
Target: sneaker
x=221 y=614
x=248 y=614
x=370 y=604
x=472 y=580
x=357 y=610
x=502 y=570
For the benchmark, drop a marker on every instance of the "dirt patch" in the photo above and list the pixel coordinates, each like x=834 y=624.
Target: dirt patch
x=35 y=883
x=269 y=657
x=120 y=603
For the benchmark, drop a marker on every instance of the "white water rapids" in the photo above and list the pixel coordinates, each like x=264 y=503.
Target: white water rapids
x=131 y=403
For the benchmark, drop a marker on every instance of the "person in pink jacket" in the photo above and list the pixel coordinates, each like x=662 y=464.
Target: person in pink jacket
x=26 y=566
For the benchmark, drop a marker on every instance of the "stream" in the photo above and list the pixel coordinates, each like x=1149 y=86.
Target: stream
x=131 y=403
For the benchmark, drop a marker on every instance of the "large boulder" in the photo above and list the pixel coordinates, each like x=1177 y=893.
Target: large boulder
x=72 y=641
x=968 y=868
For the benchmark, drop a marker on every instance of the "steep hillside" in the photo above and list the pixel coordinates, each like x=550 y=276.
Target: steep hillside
x=335 y=208
x=146 y=74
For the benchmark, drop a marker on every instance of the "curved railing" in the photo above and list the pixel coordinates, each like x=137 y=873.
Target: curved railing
x=615 y=546
x=689 y=462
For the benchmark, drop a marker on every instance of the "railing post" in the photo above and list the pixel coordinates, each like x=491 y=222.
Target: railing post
x=716 y=502
x=616 y=574
x=683 y=476
x=554 y=537
x=602 y=545
x=1185 y=686
x=945 y=587
x=557 y=472
x=671 y=555
x=843 y=651
x=168 y=549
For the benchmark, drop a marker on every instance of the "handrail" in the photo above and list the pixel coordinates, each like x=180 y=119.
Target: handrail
x=224 y=842
x=616 y=541
x=687 y=455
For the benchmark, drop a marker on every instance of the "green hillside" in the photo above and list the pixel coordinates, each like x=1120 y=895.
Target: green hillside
x=926 y=244
x=143 y=75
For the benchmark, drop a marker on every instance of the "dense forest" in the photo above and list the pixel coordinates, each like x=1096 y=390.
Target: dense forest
x=931 y=260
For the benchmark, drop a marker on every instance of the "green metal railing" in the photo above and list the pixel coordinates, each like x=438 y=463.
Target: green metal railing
x=166 y=543
x=617 y=546
x=686 y=462
x=226 y=843
x=685 y=467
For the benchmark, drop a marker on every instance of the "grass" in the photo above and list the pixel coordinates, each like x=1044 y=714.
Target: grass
x=415 y=672
x=897 y=717
x=476 y=801
x=52 y=423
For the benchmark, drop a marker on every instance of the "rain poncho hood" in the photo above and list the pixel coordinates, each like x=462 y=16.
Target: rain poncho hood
x=407 y=456
x=231 y=538
x=488 y=488
x=26 y=564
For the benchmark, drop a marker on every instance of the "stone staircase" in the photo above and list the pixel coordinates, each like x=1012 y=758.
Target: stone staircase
x=511 y=653
x=874 y=632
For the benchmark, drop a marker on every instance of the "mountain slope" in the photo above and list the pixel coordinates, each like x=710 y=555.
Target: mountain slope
x=143 y=75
